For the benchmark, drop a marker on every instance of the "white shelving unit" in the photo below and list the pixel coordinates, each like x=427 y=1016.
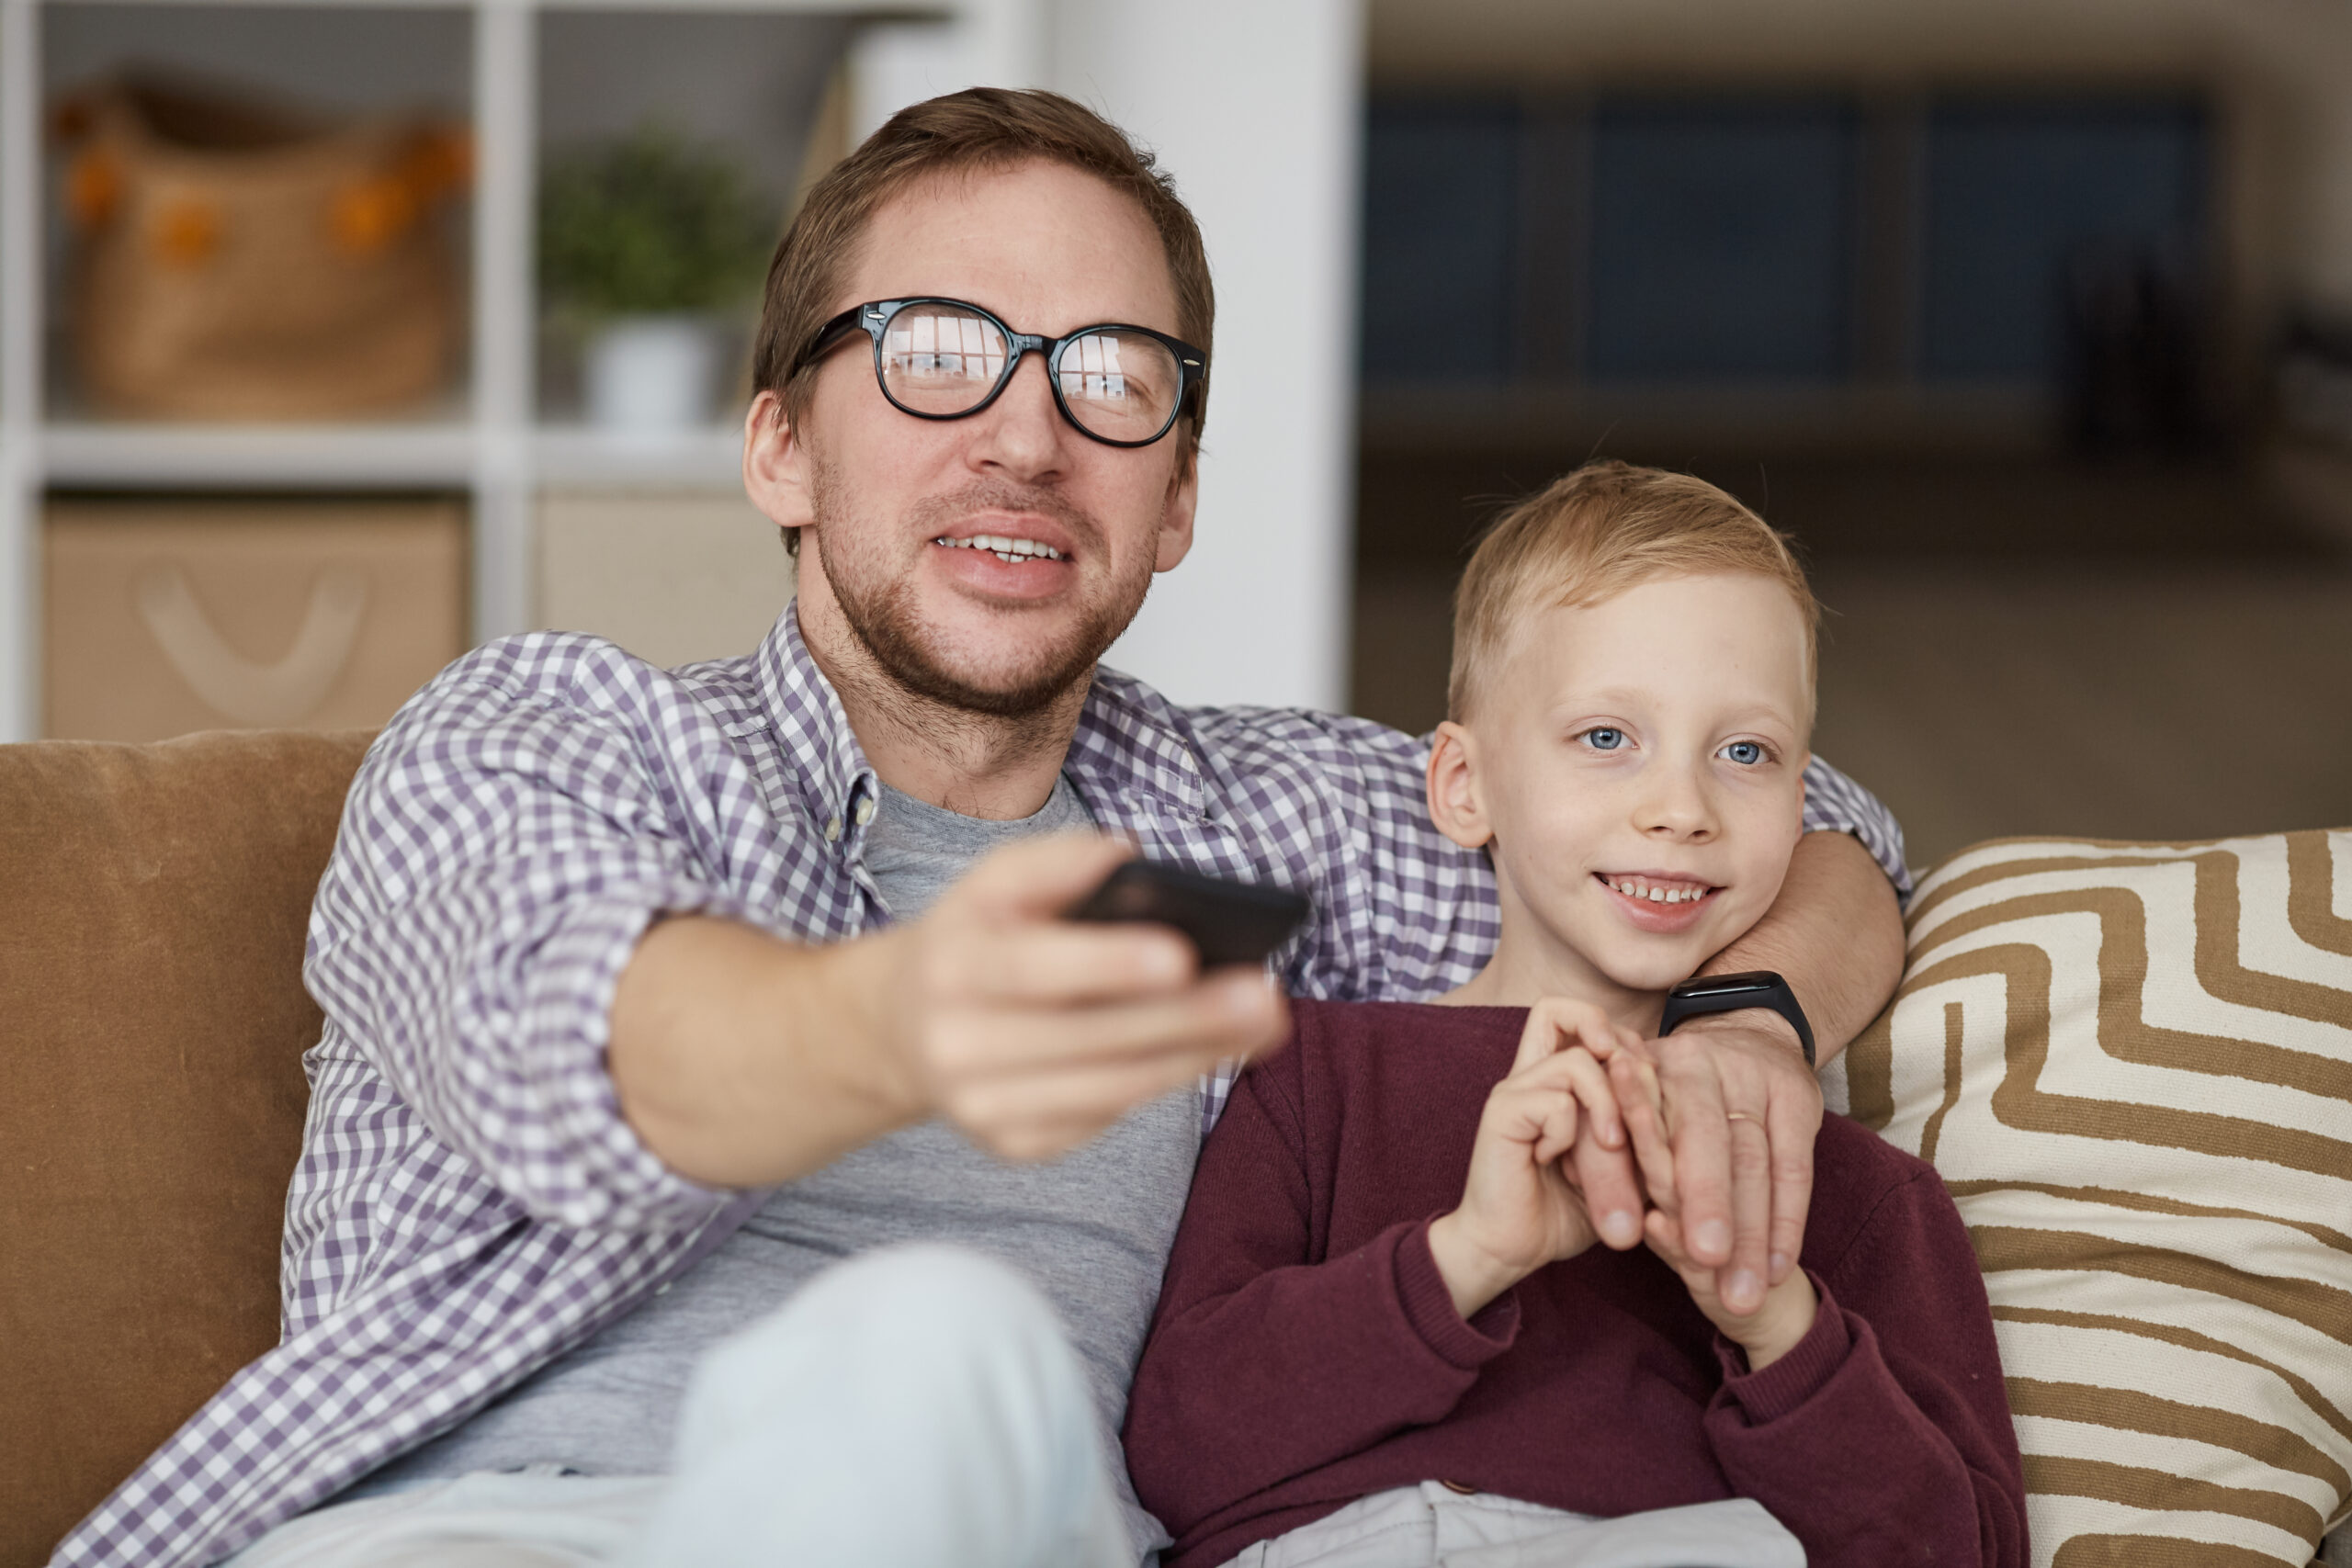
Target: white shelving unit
x=491 y=444
x=1255 y=108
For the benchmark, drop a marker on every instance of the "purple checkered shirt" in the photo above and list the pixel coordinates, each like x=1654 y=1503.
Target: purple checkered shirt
x=470 y=1203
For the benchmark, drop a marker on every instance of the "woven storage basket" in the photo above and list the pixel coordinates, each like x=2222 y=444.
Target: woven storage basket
x=237 y=262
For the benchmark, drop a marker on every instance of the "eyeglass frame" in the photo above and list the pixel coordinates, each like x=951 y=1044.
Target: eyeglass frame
x=876 y=315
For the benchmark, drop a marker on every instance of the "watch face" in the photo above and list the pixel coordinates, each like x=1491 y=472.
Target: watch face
x=1727 y=985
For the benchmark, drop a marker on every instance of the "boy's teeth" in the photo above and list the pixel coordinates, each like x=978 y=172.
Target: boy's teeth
x=1653 y=893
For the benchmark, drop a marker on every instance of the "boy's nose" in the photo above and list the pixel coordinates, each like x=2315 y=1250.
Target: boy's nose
x=1676 y=810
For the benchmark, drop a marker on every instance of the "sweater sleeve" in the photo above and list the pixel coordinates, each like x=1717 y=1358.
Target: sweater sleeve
x=1264 y=1363
x=1900 y=1366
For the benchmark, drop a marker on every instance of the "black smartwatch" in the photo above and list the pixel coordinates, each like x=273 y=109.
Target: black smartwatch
x=1731 y=993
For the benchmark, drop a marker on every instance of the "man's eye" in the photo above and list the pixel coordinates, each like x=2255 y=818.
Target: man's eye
x=1603 y=739
x=1746 y=753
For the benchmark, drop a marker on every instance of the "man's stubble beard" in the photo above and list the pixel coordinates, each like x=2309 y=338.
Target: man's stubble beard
x=881 y=611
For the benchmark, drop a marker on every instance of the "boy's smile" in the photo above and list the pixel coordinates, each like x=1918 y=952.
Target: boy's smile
x=1659 y=901
x=1637 y=769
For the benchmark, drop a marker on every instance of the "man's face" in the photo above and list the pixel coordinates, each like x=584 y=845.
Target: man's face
x=896 y=507
x=1640 y=765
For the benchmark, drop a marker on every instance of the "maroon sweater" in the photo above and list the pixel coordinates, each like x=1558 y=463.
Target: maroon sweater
x=1306 y=1352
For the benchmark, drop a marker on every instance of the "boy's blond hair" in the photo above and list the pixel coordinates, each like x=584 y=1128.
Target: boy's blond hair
x=1591 y=534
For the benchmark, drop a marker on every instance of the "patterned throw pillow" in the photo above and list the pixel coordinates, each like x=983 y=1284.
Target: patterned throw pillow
x=2133 y=1064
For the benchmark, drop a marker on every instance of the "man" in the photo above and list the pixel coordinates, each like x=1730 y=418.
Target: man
x=640 y=1009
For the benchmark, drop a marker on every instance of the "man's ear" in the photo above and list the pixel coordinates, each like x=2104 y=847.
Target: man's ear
x=776 y=464
x=1176 y=516
x=1455 y=805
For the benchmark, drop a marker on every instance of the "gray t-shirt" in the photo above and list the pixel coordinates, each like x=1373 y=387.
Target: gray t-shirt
x=1092 y=1230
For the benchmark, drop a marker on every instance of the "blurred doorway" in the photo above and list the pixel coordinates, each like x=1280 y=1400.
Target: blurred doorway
x=1981 y=349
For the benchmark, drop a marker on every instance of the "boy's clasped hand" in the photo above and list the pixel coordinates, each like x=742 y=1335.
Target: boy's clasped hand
x=1576 y=1146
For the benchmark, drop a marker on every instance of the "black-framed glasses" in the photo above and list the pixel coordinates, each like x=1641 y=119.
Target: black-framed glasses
x=946 y=359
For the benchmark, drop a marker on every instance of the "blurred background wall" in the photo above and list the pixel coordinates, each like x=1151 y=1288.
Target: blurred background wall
x=2033 y=322
x=2027 y=320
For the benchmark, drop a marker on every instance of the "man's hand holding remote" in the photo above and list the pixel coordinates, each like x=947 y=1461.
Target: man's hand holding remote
x=745 y=1061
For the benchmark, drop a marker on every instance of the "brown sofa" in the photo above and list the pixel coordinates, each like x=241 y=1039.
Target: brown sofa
x=152 y=1022
x=2133 y=1064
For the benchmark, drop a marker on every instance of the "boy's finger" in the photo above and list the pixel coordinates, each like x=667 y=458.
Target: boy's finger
x=1589 y=1081
x=1561 y=1128
x=1612 y=1194
x=1664 y=1236
x=1591 y=1028
x=1646 y=1129
x=1554 y=1023
x=1525 y=1110
x=1539 y=1038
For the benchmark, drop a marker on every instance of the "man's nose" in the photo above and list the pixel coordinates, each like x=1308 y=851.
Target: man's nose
x=1677 y=806
x=1022 y=432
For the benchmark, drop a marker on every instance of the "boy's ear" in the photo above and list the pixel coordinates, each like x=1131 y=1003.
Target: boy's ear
x=776 y=464
x=1455 y=805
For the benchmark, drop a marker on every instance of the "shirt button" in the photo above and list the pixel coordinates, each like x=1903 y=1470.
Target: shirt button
x=865 y=811
x=833 y=829
x=1457 y=1487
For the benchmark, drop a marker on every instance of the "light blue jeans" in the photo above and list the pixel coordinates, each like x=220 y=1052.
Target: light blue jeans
x=1430 y=1526
x=918 y=1407
x=913 y=1407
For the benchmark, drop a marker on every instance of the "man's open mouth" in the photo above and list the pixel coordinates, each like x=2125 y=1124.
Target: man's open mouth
x=1012 y=552
x=1648 y=889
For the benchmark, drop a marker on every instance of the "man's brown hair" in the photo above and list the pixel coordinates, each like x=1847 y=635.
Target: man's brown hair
x=978 y=128
x=1591 y=534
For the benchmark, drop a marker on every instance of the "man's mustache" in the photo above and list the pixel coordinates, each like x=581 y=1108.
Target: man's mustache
x=939 y=512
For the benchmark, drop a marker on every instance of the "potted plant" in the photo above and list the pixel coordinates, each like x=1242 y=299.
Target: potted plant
x=644 y=244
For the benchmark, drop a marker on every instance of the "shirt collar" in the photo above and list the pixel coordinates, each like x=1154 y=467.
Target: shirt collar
x=829 y=766
x=1129 y=737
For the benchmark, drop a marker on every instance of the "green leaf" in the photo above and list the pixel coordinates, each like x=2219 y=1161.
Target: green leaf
x=649 y=224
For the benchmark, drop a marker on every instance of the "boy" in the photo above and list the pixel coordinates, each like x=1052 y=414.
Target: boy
x=1364 y=1357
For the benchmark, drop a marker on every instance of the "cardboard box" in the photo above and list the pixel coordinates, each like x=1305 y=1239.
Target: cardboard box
x=673 y=576
x=167 y=616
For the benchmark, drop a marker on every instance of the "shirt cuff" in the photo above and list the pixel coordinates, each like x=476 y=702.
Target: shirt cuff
x=594 y=1171
x=1429 y=1307
x=1796 y=1377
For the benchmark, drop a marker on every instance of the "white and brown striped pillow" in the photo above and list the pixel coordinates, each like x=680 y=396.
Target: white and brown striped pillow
x=2133 y=1064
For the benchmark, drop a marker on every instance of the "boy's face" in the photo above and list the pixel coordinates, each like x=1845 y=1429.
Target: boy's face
x=1637 y=767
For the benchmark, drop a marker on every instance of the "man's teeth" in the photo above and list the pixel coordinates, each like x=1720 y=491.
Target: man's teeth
x=1642 y=887
x=1004 y=549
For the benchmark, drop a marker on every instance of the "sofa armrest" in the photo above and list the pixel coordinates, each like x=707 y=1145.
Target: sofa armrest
x=153 y=1021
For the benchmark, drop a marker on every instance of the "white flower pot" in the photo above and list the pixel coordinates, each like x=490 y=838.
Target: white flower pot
x=651 y=374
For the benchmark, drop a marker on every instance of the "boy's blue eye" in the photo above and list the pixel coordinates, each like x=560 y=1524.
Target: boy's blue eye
x=1748 y=754
x=1604 y=739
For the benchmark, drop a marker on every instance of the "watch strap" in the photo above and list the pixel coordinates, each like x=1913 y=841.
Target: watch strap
x=1704 y=994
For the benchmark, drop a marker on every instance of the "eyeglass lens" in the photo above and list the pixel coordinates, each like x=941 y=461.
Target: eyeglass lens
x=938 y=360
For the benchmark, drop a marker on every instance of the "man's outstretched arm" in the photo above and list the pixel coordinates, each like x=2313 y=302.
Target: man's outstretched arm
x=743 y=1060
